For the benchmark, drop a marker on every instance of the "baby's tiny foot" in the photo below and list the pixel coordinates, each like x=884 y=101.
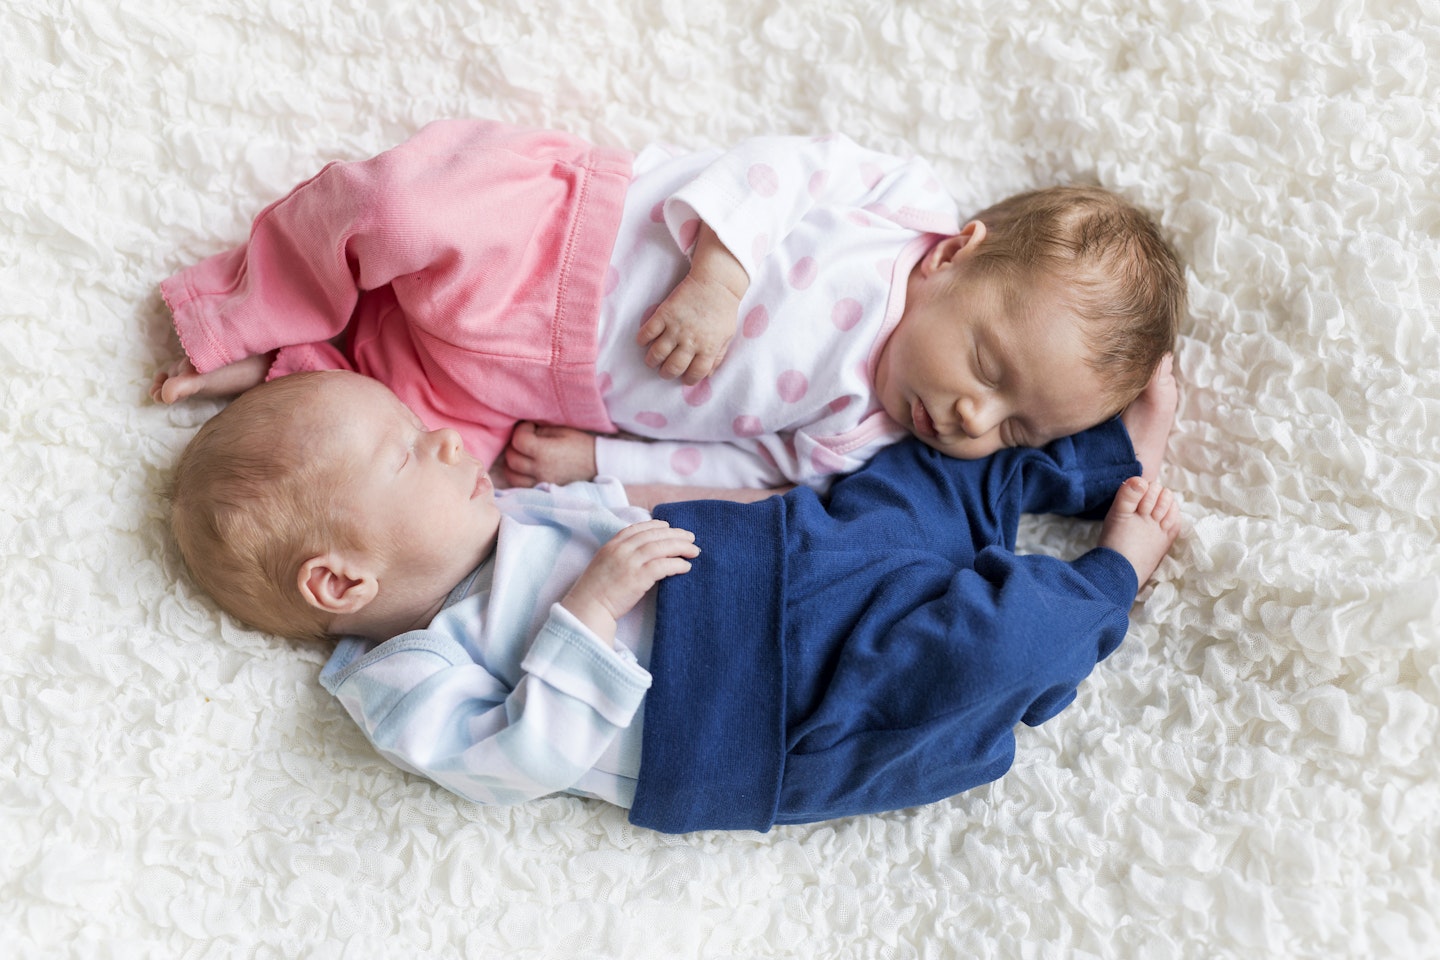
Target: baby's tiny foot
x=1150 y=416
x=1142 y=523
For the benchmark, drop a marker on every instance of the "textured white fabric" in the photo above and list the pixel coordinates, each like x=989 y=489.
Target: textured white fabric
x=1254 y=773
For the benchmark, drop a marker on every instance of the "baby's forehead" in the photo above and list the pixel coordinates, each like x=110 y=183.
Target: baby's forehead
x=354 y=417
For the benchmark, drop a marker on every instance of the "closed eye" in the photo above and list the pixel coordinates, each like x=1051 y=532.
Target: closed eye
x=987 y=377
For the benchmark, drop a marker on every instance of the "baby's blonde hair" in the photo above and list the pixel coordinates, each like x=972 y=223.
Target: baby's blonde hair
x=247 y=508
x=1122 y=277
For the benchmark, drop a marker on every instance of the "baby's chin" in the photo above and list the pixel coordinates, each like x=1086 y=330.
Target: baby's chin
x=970 y=448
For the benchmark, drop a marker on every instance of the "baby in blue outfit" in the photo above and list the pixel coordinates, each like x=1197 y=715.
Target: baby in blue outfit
x=797 y=658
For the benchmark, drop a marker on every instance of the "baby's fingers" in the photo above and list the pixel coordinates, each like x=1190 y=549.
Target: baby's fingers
x=650 y=539
x=664 y=567
x=648 y=531
x=678 y=362
x=519 y=469
x=664 y=352
x=652 y=328
x=705 y=363
x=523 y=438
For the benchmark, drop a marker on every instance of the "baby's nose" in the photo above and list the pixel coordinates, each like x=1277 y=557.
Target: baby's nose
x=977 y=417
x=449 y=445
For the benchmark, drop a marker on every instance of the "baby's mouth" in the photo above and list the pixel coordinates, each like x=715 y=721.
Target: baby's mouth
x=920 y=417
x=482 y=484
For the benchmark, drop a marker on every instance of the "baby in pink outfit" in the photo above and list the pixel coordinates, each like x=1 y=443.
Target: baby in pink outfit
x=493 y=276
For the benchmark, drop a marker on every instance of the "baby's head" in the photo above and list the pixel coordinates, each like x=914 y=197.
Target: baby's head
x=1120 y=275
x=318 y=503
x=1047 y=314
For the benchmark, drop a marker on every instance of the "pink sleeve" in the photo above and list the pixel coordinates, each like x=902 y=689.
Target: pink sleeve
x=289 y=285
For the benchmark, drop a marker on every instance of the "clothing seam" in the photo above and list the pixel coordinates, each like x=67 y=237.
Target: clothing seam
x=384 y=651
x=562 y=292
x=571 y=639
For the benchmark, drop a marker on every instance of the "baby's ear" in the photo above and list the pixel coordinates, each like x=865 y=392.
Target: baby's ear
x=970 y=236
x=333 y=584
x=954 y=247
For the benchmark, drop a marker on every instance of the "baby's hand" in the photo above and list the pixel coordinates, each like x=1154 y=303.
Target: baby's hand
x=691 y=329
x=624 y=570
x=179 y=380
x=689 y=333
x=545 y=454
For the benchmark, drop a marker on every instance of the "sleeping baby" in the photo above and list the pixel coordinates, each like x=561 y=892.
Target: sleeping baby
x=713 y=664
x=493 y=275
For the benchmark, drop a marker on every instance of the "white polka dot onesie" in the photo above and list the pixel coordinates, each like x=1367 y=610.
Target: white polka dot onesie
x=828 y=233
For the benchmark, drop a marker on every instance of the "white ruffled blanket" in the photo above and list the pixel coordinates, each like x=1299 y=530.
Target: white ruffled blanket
x=1253 y=774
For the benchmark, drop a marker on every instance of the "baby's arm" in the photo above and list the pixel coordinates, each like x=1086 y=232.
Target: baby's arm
x=690 y=331
x=560 y=455
x=179 y=380
x=624 y=570
x=550 y=454
x=450 y=715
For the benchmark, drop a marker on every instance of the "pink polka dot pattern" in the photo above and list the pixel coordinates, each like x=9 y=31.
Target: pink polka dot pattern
x=763 y=179
x=605 y=383
x=698 y=394
x=791 y=385
x=871 y=174
x=755 y=322
x=686 y=461
x=747 y=426
x=657 y=213
x=826 y=461
x=689 y=230
x=838 y=404
x=760 y=246
x=858 y=218
x=803 y=273
x=846 y=313
x=650 y=418
x=817 y=183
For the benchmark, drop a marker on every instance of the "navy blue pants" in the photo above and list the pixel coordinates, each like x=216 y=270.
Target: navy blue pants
x=874 y=649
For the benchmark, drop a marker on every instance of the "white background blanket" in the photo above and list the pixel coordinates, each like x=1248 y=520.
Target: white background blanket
x=1253 y=774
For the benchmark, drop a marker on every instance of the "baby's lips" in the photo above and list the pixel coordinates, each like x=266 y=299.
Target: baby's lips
x=920 y=418
x=482 y=484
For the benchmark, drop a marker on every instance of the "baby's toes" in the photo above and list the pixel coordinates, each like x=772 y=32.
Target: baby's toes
x=1148 y=503
x=1132 y=491
x=1170 y=518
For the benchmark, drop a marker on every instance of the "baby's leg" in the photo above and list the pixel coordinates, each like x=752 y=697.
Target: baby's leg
x=1142 y=523
x=1150 y=417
